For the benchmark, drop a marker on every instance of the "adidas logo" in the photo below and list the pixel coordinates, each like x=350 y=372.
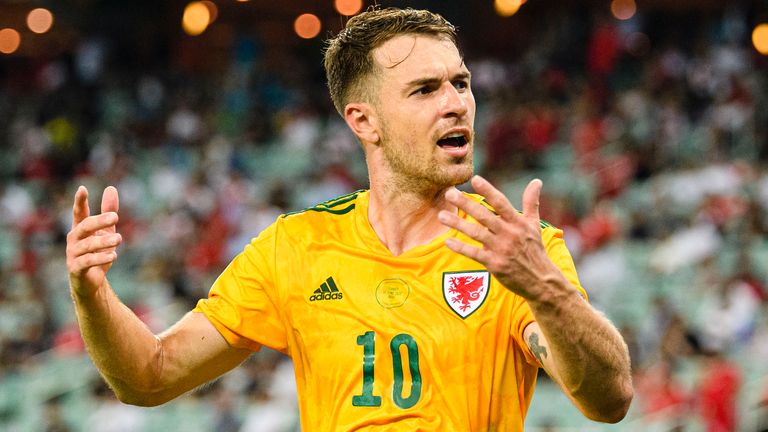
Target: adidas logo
x=327 y=291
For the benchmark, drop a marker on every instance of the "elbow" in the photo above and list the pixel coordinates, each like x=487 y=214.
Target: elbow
x=610 y=415
x=146 y=400
x=132 y=395
x=144 y=388
x=137 y=401
x=615 y=409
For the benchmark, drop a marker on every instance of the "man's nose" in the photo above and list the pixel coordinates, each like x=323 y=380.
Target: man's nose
x=452 y=102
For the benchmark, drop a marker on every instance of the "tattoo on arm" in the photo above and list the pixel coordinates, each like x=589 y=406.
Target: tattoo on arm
x=538 y=350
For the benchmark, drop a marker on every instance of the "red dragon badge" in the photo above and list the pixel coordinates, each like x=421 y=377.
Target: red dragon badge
x=465 y=292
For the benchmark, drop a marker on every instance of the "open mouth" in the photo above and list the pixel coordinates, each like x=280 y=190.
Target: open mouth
x=453 y=140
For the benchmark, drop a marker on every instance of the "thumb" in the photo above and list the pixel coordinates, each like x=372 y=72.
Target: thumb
x=531 y=196
x=110 y=201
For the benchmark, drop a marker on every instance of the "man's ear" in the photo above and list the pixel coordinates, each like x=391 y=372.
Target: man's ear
x=361 y=118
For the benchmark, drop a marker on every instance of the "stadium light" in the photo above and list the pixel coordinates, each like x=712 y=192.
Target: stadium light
x=39 y=20
x=348 y=7
x=623 y=9
x=507 y=8
x=307 y=26
x=760 y=38
x=213 y=10
x=197 y=17
x=10 y=40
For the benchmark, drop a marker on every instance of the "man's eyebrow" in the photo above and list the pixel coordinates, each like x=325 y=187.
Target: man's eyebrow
x=464 y=75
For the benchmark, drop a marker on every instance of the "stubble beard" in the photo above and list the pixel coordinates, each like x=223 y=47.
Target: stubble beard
x=424 y=174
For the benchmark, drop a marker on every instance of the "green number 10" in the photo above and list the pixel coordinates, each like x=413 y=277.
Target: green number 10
x=368 y=342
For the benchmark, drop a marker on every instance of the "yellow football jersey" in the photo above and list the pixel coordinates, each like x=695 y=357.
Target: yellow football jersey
x=427 y=340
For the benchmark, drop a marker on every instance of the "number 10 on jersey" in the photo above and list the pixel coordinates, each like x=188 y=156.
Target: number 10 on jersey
x=368 y=341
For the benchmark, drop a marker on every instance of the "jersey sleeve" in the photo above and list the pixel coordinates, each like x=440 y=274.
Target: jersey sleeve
x=243 y=303
x=559 y=254
x=561 y=257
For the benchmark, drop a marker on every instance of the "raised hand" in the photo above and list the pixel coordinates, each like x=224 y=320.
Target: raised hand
x=512 y=248
x=92 y=241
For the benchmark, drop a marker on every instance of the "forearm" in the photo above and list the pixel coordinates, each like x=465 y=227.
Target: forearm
x=142 y=369
x=588 y=355
x=581 y=350
x=122 y=347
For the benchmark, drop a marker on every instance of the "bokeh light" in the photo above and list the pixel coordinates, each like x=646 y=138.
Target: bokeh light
x=348 y=7
x=10 y=40
x=213 y=10
x=507 y=8
x=623 y=9
x=760 y=38
x=39 y=20
x=196 y=18
x=307 y=26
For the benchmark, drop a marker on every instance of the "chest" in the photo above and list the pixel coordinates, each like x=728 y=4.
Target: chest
x=338 y=297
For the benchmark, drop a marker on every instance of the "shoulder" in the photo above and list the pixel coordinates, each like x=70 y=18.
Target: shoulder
x=323 y=217
x=334 y=207
x=329 y=219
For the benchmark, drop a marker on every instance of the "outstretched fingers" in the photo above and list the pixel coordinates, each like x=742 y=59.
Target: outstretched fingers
x=478 y=254
x=485 y=217
x=473 y=230
x=495 y=232
x=531 y=196
x=494 y=197
x=512 y=250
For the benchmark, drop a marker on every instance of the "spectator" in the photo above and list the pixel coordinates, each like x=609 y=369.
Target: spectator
x=717 y=393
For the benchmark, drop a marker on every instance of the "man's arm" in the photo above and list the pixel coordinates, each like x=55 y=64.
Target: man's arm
x=142 y=368
x=587 y=363
x=577 y=346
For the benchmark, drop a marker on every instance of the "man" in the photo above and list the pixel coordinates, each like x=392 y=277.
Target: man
x=408 y=306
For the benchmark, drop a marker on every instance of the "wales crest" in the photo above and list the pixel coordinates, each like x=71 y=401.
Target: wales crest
x=465 y=291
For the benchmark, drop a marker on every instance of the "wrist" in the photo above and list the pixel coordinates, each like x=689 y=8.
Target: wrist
x=553 y=292
x=86 y=295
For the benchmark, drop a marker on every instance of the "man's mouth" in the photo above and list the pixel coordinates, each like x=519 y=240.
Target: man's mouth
x=453 y=140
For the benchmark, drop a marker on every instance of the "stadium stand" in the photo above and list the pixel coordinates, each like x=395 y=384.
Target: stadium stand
x=651 y=143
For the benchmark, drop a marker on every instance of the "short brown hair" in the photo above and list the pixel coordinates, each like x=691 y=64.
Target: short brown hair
x=348 y=59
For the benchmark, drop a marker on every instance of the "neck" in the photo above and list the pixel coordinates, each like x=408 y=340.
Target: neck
x=404 y=219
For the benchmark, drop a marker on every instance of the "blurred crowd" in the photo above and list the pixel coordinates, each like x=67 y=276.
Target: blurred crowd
x=652 y=148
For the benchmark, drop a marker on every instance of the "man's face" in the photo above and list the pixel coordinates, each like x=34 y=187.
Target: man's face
x=426 y=112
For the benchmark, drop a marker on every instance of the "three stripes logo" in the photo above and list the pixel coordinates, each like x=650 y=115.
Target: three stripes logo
x=327 y=291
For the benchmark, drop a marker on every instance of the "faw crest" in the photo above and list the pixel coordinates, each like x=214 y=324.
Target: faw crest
x=465 y=291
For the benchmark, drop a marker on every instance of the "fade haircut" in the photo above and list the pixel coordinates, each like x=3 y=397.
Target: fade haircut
x=348 y=56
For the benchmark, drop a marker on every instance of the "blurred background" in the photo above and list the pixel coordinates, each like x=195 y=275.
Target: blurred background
x=647 y=121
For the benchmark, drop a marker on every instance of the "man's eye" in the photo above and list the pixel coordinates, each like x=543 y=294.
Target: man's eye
x=423 y=90
x=461 y=85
